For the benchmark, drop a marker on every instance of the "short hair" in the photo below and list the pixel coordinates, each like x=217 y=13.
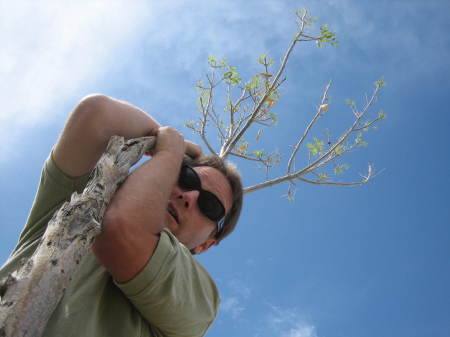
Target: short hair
x=233 y=176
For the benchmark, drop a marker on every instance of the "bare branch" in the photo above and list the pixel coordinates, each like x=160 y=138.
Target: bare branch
x=317 y=182
x=369 y=124
x=244 y=157
x=297 y=175
x=34 y=290
x=313 y=121
x=324 y=158
x=232 y=143
x=347 y=133
x=206 y=111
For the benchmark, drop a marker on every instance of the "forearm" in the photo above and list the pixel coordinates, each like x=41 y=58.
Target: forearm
x=136 y=216
x=90 y=126
x=142 y=200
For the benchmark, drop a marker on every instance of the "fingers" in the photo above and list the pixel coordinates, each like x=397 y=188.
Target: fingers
x=193 y=150
x=169 y=139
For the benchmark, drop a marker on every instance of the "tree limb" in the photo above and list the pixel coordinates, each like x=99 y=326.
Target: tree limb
x=297 y=175
x=229 y=146
x=313 y=121
x=31 y=293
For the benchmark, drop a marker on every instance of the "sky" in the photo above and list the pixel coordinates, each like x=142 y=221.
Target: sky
x=371 y=260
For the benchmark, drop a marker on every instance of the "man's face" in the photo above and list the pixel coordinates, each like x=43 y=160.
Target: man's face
x=190 y=226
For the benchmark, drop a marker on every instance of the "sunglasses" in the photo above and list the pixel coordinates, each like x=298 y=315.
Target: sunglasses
x=209 y=205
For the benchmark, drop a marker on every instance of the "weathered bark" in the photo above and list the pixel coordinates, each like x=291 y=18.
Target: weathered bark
x=30 y=294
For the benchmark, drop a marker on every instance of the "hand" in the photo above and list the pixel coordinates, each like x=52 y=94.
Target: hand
x=193 y=150
x=170 y=140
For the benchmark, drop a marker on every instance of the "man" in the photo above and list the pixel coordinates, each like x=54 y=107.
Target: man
x=140 y=278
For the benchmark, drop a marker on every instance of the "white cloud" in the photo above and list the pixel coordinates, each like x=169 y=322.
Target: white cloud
x=235 y=297
x=232 y=306
x=51 y=52
x=301 y=331
x=290 y=323
x=239 y=288
x=51 y=49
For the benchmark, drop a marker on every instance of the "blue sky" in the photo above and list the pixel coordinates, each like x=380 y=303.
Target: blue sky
x=360 y=261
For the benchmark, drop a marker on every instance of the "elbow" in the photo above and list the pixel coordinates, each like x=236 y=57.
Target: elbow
x=90 y=110
x=93 y=102
x=121 y=232
x=90 y=107
x=121 y=250
x=91 y=114
x=111 y=235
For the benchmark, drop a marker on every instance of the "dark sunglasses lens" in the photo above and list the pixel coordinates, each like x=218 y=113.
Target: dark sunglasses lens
x=211 y=206
x=208 y=203
x=189 y=179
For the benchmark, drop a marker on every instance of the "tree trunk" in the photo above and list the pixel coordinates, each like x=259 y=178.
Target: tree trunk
x=30 y=294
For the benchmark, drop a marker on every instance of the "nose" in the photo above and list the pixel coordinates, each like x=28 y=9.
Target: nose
x=189 y=198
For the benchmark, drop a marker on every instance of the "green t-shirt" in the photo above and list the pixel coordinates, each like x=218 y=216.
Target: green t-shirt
x=172 y=296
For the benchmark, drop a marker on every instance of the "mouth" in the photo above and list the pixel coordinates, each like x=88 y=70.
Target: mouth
x=172 y=211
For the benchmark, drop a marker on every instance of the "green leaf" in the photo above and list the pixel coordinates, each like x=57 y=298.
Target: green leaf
x=216 y=63
x=350 y=102
x=381 y=115
x=258 y=153
x=273 y=117
x=315 y=148
x=359 y=141
x=327 y=36
x=253 y=83
x=339 y=169
x=242 y=148
x=262 y=59
x=231 y=76
x=323 y=176
x=211 y=58
x=265 y=60
x=380 y=83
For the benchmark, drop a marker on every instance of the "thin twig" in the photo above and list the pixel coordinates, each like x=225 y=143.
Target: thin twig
x=369 y=124
x=346 y=134
x=318 y=162
x=313 y=121
x=365 y=180
x=248 y=157
x=290 y=177
x=232 y=143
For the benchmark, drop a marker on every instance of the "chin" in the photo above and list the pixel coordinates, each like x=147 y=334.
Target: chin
x=171 y=226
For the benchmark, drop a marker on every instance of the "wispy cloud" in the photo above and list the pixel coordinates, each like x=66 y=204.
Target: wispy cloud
x=289 y=323
x=52 y=49
x=232 y=306
x=236 y=296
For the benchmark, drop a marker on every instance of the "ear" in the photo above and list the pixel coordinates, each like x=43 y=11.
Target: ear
x=204 y=246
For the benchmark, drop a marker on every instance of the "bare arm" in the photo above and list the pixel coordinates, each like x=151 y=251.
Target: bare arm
x=90 y=126
x=138 y=211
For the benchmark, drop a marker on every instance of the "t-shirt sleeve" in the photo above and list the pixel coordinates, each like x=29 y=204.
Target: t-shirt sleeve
x=174 y=292
x=55 y=187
